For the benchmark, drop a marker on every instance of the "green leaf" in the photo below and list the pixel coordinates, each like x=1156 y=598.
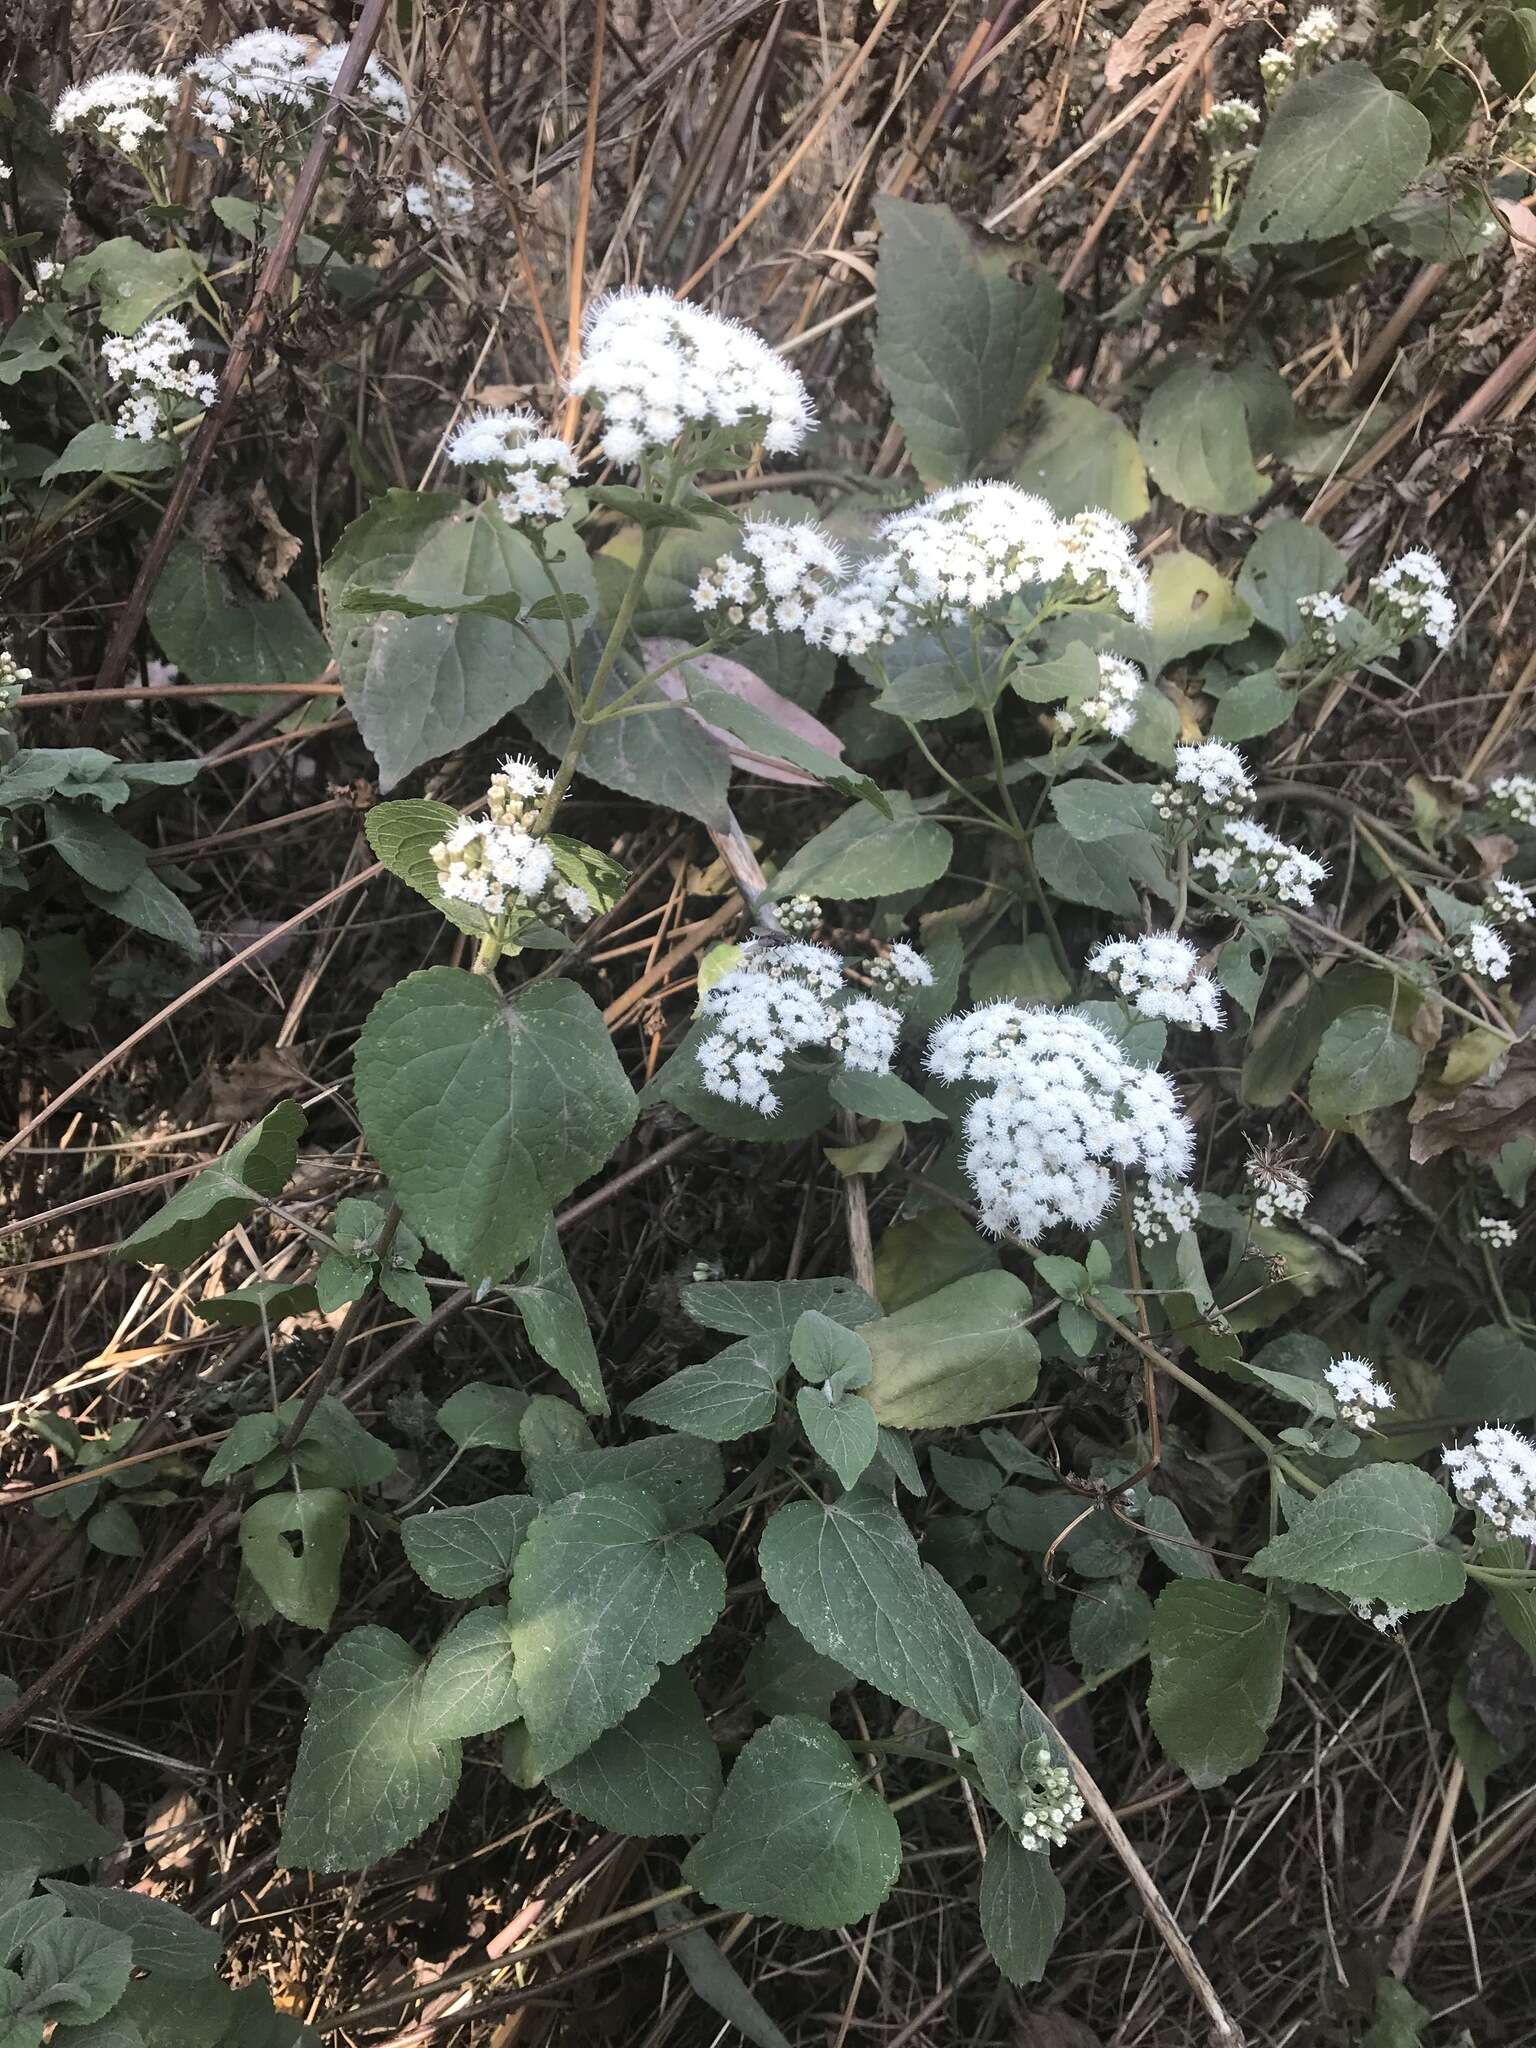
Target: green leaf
x=1194 y=435
x=483 y=1112
x=771 y=1308
x=970 y=1482
x=1090 y=810
x=1375 y=1534
x=24 y=1913
x=862 y=855
x=96 y=450
x=842 y=1432
x=1399 y=2020
x=1110 y=1625
x=113 y=1530
x=727 y=1396
x=785 y=1675
x=133 y=284
x=403 y=835
x=957 y=1356
x=460 y=1552
x=1362 y=1064
x=263 y=1304
x=1490 y=1377
x=804 y=1104
x=420 y=687
x=224 y=1194
x=469 y=1687
x=13 y=954
x=765 y=735
x=1022 y=1908
x=797 y=1835
x=1217 y=1657
x=1080 y=457
x=1287 y=561
x=958 y=342
x=368 y=1780
x=165 y=1939
x=920 y=1254
x=656 y=1773
x=821 y=1348
x=1192 y=607
x=75 y=1970
x=1173 y=1542
x=427 y=604
x=1101 y=873
x=1254 y=705
x=668 y=761
x=42 y=1828
x=217 y=629
x=716 y=1982
x=304 y=1585
x=1026 y=973
x=480 y=1417
x=602 y=1597
x=556 y=1322
x=99 y=851
x=683 y=1475
x=1509 y=45
x=147 y=905
x=1339 y=149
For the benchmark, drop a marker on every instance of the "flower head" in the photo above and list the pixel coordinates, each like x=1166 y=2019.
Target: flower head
x=1513 y=798
x=1208 y=777
x=1498 y=1233
x=125 y=107
x=444 y=199
x=1228 y=125
x=1496 y=1474
x=1164 y=1210
x=800 y=916
x=775 y=580
x=1508 y=903
x=1254 y=861
x=1322 y=615
x=1479 y=950
x=1112 y=707
x=1159 y=976
x=152 y=362
x=1049 y=1801
x=532 y=466
x=1413 y=595
x=900 y=971
x=1359 y=1396
x=1280 y=1194
x=13 y=679
x=782 y=998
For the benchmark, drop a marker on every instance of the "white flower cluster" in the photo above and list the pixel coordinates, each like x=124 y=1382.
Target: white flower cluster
x=1062 y=1108
x=1112 y=707
x=1276 y=70
x=1227 y=126
x=1280 y=1194
x=1382 y=1616
x=781 y=998
x=1255 y=860
x=781 y=576
x=13 y=677
x=444 y=199
x=152 y=363
x=1159 y=976
x=1359 y=1396
x=1413 y=595
x=1316 y=30
x=262 y=74
x=1209 y=777
x=799 y=916
x=496 y=862
x=532 y=466
x=1050 y=1802
x=660 y=367
x=1496 y=1475
x=1479 y=950
x=1164 y=1210
x=1322 y=614
x=899 y=972
x=1498 y=1233
x=1508 y=903
x=1513 y=797
x=124 y=107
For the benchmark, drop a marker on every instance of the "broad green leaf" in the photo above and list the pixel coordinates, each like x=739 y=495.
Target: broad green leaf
x=957 y=1356
x=656 y=1773
x=766 y=736
x=1509 y=45
x=480 y=1417
x=882 y=1098
x=13 y=954
x=1192 y=607
x=224 y=1194
x=75 y=1970
x=682 y=1475
x=1089 y=810
x=1287 y=561
x=1080 y=458
x=469 y=1686
x=1254 y=705
x=76 y=773
x=1022 y=1908
x=1110 y=1625
x=1173 y=1542
x=970 y=1482
x=842 y=1432
x=165 y=1939
x=24 y=1913
x=1101 y=873
x=862 y=855
x=1339 y=149
x=918 y=1255
x=113 y=1530
x=133 y=284
x=303 y=1584
x=1194 y=436
x=1490 y=1377
x=716 y=1982
x=771 y=1308
x=602 y=1597
x=1217 y=1656
x=785 y=1675
x=264 y=1303
x=667 y=760
x=483 y=1112
x=403 y=835
x=1375 y=1534
x=727 y=1396
x=420 y=687
x=556 y=1322
x=821 y=1348
x=96 y=450
x=216 y=629
x=1026 y=973
x=1399 y=2019
x=42 y=1828
x=959 y=342
x=460 y=1552
x=367 y=1780
x=798 y=1835
x=1363 y=1063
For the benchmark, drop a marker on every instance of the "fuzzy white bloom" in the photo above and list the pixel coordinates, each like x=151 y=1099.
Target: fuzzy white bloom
x=1479 y=950
x=1382 y=1616
x=152 y=363
x=1256 y=861
x=5 y=173
x=1496 y=1475
x=1315 y=31
x=1112 y=707
x=1159 y=976
x=1359 y=1396
x=1508 y=903
x=1062 y=1108
x=445 y=199
x=1050 y=1802
x=378 y=90
x=532 y=466
x=1497 y=1232
x=1514 y=797
x=1276 y=70
x=1101 y=561
x=1228 y=125
x=899 y=971
x=660 y=367
x=1164 y=1210
x=269 y=71
x=498 y=863
x=1280 y=1195
x=775 y=582
x=13 y=678
x=125 y=107
x=1322 y=614
x=1209 y=777
x=800 y=916
x=1413 y=595
x=780 y=999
